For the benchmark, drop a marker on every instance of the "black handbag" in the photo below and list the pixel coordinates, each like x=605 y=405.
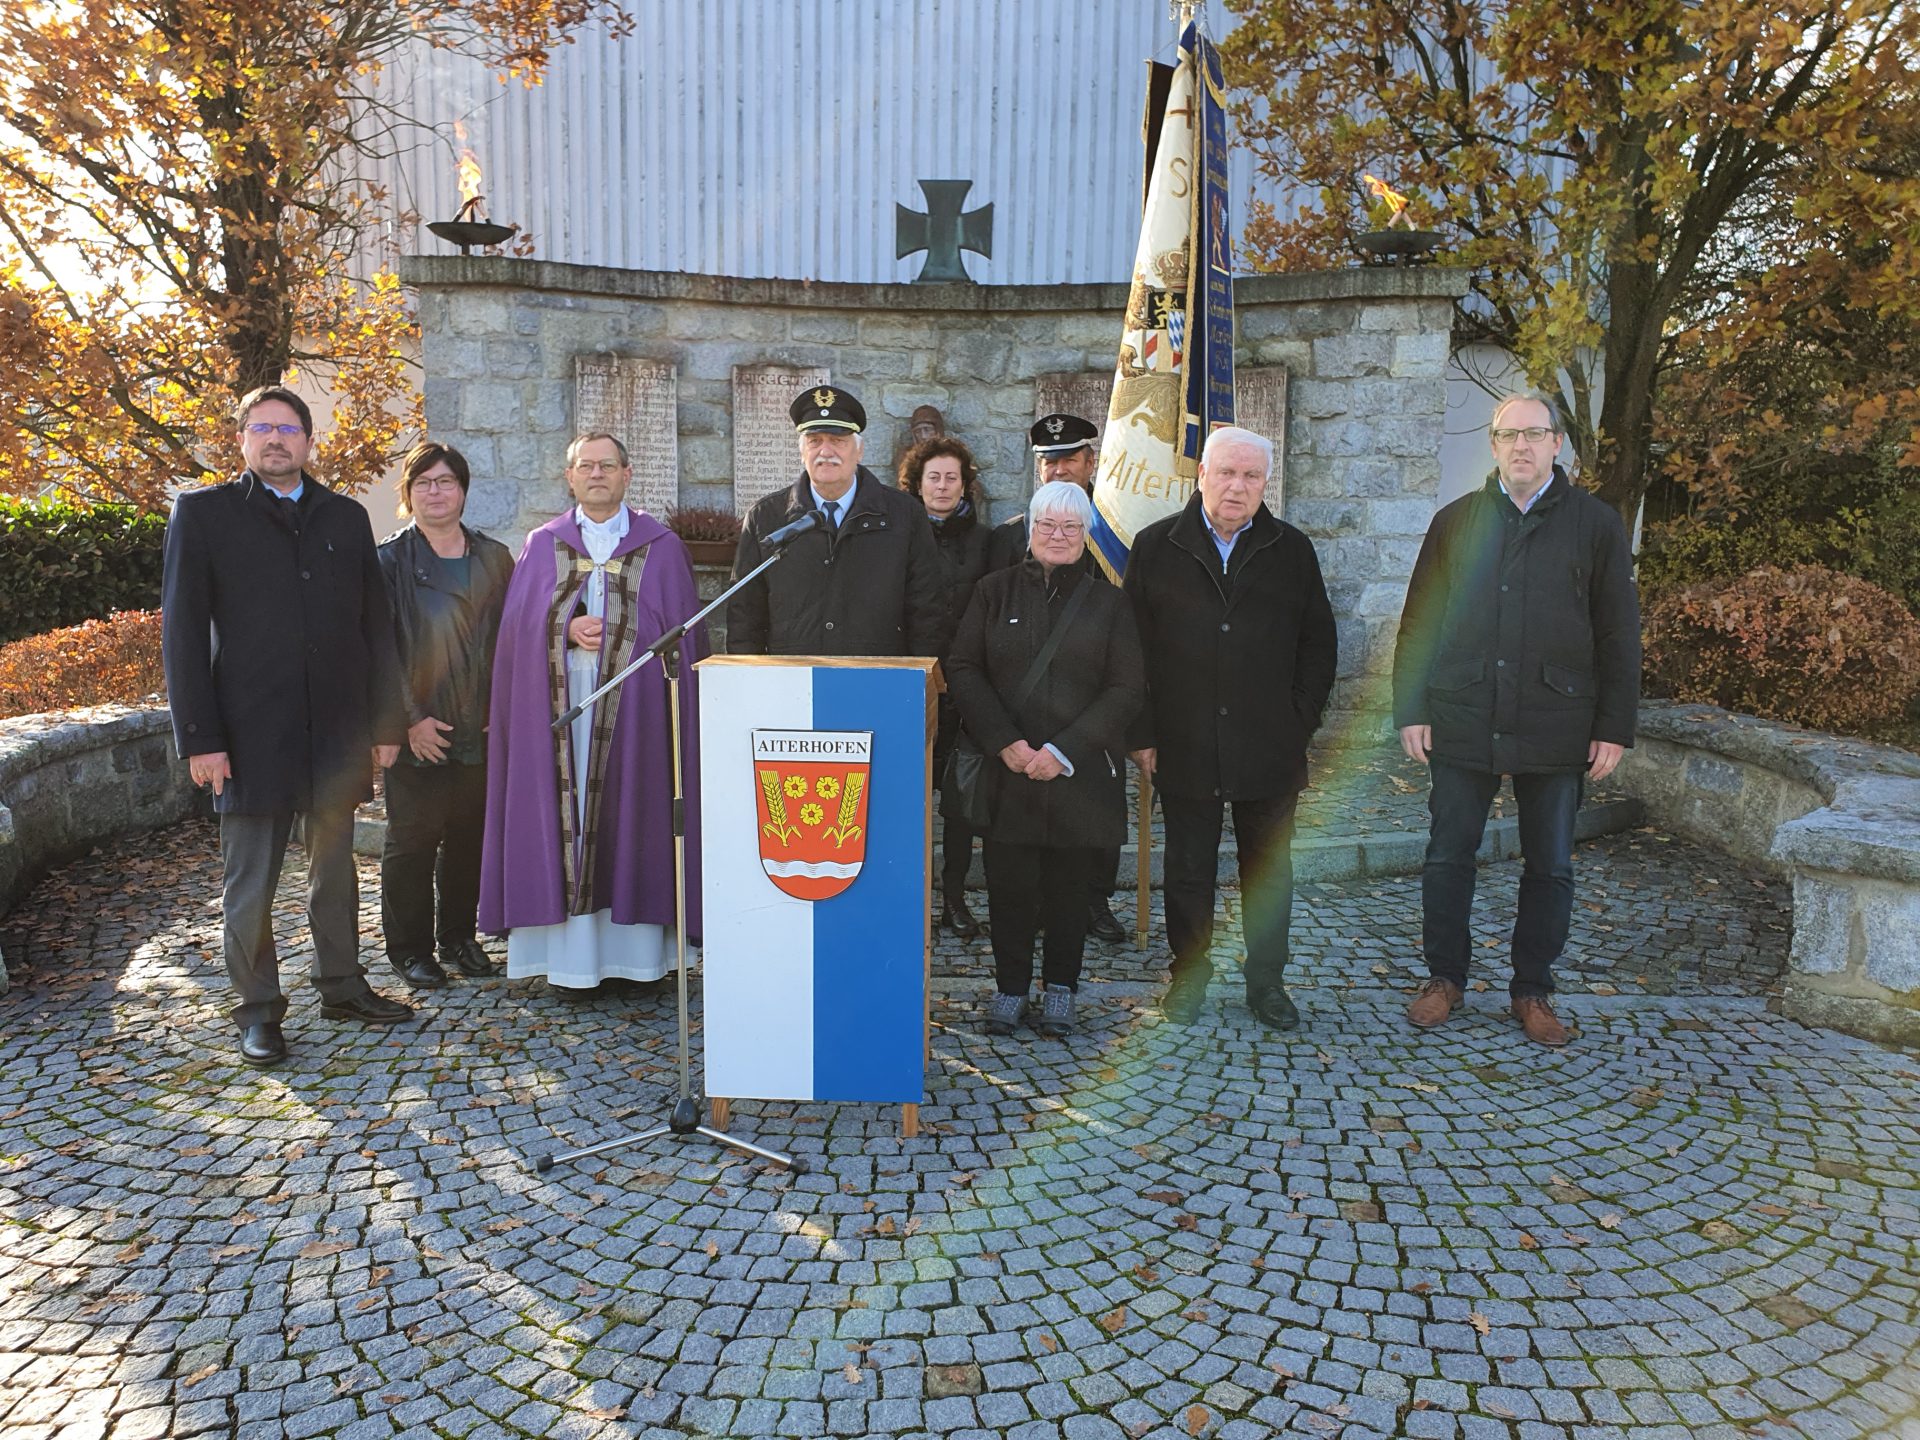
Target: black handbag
x=971 y=780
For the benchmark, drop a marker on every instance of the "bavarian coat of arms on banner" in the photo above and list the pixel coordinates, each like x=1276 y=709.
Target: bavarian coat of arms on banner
x=810 y=788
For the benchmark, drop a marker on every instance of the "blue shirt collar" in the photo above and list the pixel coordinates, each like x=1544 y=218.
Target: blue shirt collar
x=820 y=501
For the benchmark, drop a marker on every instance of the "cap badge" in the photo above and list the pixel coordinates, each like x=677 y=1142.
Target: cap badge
x=1055 y=426
x=824 y=398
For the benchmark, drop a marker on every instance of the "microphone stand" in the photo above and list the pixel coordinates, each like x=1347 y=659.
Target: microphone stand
x=684 y=1120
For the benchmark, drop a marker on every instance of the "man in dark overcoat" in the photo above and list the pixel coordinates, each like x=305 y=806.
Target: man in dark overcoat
x=867 y=581
x=284 y=683
x=1241 y=653
x=1518 y=654
x=1065 y=447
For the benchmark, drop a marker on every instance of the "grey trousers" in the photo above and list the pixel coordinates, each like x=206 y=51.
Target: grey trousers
x=252 y=850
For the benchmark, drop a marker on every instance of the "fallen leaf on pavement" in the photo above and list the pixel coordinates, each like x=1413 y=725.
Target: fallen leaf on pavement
x=1480 y=1323
x=1114 y=1321
x=1197 y=1418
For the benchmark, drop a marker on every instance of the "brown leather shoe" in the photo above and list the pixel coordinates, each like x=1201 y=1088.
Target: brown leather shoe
x=1536 y=1017
x=1436 y=1001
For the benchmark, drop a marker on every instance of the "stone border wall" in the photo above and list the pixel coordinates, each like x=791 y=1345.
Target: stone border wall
x=1364 y=350
x=1840 y=817
x=71 y=780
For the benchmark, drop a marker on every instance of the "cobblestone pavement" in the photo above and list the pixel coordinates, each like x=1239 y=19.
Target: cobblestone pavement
x=1699 y=1220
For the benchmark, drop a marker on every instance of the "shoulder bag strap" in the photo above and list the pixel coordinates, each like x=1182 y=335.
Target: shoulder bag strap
x=1048 y=650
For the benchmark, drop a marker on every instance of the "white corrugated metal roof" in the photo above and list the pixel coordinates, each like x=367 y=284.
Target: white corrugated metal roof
x=773 y=137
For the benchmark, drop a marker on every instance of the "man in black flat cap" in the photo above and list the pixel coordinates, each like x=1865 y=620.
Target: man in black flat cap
x=867 y=581
x=1064 y=449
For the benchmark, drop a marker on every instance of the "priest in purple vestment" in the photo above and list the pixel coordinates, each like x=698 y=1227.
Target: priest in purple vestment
x=577 y=860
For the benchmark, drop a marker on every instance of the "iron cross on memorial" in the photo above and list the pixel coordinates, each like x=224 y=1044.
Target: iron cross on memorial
x=943 y=231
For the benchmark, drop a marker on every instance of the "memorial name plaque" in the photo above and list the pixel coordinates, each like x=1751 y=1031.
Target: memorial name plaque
x=766 y=457
x=1260 y=405
x=1086 y=393
x=638 y=401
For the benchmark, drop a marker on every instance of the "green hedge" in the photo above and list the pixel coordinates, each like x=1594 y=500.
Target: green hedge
x=63 y=564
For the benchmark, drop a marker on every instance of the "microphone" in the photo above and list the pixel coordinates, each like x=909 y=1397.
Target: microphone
x=812 y=520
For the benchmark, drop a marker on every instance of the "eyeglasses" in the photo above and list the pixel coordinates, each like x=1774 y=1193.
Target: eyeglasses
x=260 y=427
x=1533 y=435
x=598 y=467
x=428 y=484
x=1071 y=529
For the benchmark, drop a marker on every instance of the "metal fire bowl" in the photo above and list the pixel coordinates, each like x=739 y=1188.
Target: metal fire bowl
x=465 y=233
x=1397 y=244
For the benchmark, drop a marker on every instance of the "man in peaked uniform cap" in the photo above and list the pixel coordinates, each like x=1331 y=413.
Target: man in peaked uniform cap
x=1065 y=448
x=867 y=581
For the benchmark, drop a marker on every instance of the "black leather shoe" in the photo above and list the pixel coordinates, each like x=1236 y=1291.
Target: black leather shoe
x=959 y=919
x=1101 y=925
x=262 y=1046
x=420 y=972
x=470 y=958
x=1184 y=998
x=1273 y=1008
x=369 y=1008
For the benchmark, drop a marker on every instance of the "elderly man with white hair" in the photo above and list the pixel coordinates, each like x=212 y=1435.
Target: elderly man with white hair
x=867 y=581
x=1046 y=672
x=1240 y=651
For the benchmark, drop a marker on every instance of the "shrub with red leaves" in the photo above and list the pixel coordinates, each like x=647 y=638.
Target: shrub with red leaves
x=115 y=660
x=1809 y=646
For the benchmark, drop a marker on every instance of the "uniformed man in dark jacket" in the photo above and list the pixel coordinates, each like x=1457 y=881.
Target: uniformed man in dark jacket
x=1241 y=654
x=1065 y=447
x=284 y=685
x=867 y=581
x=1519 y=654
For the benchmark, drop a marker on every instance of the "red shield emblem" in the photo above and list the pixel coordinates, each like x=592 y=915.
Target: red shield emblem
x=810 y=787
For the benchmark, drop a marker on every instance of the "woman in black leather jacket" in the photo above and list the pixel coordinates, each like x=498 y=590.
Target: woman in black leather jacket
x=447 y=583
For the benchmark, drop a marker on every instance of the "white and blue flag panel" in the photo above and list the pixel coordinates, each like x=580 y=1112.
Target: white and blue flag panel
x=815 y=999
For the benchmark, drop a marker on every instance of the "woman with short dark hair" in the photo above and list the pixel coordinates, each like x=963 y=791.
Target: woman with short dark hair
x=447 y=583
x=941 y=473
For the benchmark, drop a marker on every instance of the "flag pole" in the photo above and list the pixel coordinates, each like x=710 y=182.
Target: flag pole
x=1143 y=850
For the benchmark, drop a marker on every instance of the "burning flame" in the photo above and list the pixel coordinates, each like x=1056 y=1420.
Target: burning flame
x=469 y=178
x=1396 y=202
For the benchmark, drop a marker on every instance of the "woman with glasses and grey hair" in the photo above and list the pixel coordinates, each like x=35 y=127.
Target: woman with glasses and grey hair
x=1047 y=673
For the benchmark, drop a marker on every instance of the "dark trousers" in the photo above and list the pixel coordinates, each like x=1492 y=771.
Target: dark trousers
x=1263 y=836
x=956 y=855
x=252 y=850
x=1459 y=803
x=1031 y=887
x=435 y=817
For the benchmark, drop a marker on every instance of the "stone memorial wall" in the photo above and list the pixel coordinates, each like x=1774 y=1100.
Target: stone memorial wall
x=637 y=401
x=764 y=454
x=1345 y=369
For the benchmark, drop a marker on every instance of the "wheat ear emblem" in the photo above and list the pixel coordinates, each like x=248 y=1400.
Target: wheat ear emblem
x=776 y=807
x=849 y=807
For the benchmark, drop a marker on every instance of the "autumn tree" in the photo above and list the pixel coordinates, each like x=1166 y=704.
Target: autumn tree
x=179 y=222
x=1594 y=163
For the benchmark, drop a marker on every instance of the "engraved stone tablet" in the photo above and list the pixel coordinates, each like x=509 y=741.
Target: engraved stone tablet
x=1260 y=405
x=1086 y=393
x=637 y=401
x=766 y=457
